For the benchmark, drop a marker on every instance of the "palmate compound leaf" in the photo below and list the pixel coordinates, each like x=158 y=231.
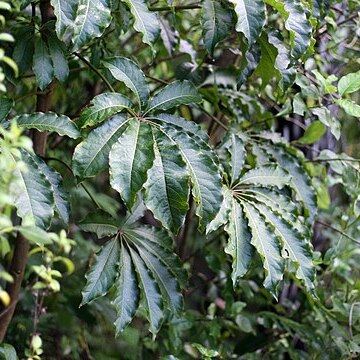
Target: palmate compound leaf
x=250 y=18
x=217 y=22
x=92 y=155
x=49 y=121
x=102 y=107
x=179 y=155
x=262 y=216
x=128 y=145
x=140 y=265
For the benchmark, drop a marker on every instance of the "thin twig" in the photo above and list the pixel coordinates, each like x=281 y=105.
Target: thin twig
x=336 y=159
x=212 y=117
x=176 y=7
x=337 y=230
x=81 y=184
x=96 y=71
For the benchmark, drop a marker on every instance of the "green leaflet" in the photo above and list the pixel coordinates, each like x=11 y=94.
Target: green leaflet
x=313 y=133
x=349 y=83
x=158 y=242
x=145 y=21
x=7 y=352
x=237 y=151
x=167 y=188
x=238 y=246
x=49 y=121
x=251 y=18
x=189 y=126
x=130 y=159
x=127 y=71
x=277 y=202
x=136 y=213
x=282 y=204
x=267 y=175
x=6 y=105
x=42 y=64
x=101 y=223
x=294 y=245
x=62 y=206
x=324 y=115
x=168 y=35
x=204 y=175
x=102 y=107
x=222 y=216
x=261 y=157
x=349 y=106
x=300 y=180
x=151 y=293
x=166 y=281
x=249 y=63
x=24 y=48
x=58 y=58
x=217 y=22
x=267 y=66
x=92 y=155
x=127 y=293
x=267 y=245
x=103 y=272
x=32 y=195
x=92 y=18
x=174 y=94
x=65 y=12
x=138 y=261
x=283 y=60
x=35 y=235
x=297 y=23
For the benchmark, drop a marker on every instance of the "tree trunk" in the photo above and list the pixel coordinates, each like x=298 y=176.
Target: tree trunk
x=18 y=263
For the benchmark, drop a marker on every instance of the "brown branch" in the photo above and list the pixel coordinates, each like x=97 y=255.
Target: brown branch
x=22 y=246
x=17 y=270
x=176 y=7
x=337 y=230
